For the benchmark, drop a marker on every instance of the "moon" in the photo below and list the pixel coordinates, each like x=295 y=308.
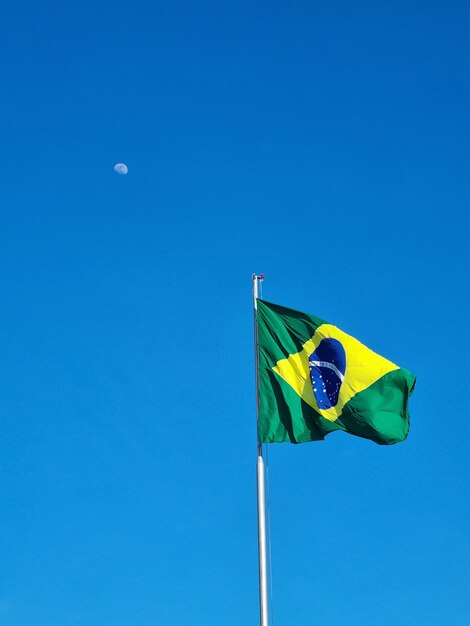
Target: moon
x=121 y=168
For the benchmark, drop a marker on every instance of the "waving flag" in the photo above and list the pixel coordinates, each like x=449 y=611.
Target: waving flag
x=314 y=378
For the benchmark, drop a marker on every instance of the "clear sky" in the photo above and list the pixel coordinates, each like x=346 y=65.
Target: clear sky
x=324 y=144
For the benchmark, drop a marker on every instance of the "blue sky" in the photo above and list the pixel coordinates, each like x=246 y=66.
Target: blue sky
x=324 y=145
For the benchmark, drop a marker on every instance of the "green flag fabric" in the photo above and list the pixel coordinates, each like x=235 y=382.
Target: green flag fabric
x=314 y=379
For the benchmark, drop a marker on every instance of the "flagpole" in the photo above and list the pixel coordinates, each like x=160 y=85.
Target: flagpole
x=260 y=474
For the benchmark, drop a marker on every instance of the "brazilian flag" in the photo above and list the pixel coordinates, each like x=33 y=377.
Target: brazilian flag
x=314 y=378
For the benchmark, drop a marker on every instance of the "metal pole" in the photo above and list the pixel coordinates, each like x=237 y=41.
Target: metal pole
x=263 y=573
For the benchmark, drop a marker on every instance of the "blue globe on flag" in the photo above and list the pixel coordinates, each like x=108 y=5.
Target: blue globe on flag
x=327 y=368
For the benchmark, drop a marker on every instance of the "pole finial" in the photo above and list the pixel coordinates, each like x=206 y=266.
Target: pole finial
x=257 y=287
